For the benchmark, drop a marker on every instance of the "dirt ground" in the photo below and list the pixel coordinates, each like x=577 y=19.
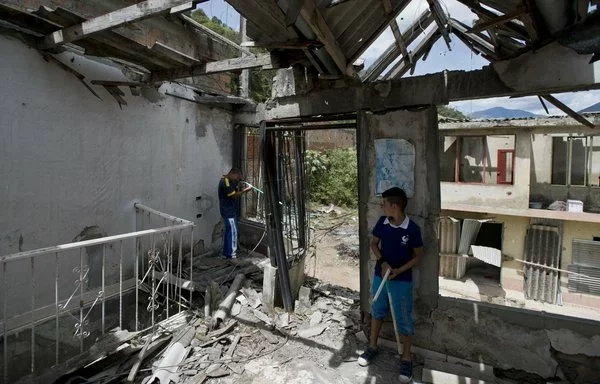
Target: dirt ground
x=335 y=256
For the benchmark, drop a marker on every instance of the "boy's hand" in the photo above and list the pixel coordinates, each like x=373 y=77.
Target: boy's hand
x=385 y=267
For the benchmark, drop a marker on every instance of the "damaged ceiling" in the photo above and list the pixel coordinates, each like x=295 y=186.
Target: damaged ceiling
x=157 y=41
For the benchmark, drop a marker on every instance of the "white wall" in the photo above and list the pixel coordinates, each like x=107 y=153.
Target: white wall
x=70 y=160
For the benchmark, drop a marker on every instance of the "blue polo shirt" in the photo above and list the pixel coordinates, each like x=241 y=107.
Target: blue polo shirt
x=227 y=203
x=397 y=244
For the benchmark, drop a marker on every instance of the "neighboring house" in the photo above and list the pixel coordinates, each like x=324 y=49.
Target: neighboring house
x=496 y=173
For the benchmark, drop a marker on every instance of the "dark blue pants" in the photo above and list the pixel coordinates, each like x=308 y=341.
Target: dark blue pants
x=230 y=239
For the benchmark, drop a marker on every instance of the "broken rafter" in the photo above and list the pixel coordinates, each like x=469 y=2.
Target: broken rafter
x=387 y=5
x=485 y=25
x=367 y=42
x=510 y=26
x=388 y=56
x=291 y=44
x=228 y=65
x=422 y=49
x=473 y=40
x=441 y=19
x=214 y=34
x=319 y=26
x=565 y=108
x=108 y=21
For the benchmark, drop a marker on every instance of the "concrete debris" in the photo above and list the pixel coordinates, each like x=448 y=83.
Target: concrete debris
x=271 y=338
x=312 y=331
x=262 y=317
x=316 y=318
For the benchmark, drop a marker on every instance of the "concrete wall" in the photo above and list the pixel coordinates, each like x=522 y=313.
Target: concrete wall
x=71 y=161
x=330 y=139
x=420 y=129
x=507 y=196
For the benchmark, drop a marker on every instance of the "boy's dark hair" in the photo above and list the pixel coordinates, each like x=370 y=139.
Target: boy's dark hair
x=235 y=171
x=396 y=196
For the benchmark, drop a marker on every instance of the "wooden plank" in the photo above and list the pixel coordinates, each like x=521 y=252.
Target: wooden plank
x=108 y=43
x=422 y=49
x=214 y=34
x=319 y=26
x=565 y=108
x=509 y=26
x=291 y=44
x=364 y=44
x=227 y=65
x=478 y=40
x=172 y=54
x=27 y=21
x=410 y=35
x=266 y=17
x=481 y=26
x=108 y=21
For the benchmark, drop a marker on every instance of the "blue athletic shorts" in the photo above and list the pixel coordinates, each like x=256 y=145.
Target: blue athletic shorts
x=401 y=294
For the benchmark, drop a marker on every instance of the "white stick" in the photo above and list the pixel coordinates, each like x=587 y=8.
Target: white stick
x=385 y=277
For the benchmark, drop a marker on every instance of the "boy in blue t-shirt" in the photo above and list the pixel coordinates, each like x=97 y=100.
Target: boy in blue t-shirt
x=398 y=247
x=229 y=190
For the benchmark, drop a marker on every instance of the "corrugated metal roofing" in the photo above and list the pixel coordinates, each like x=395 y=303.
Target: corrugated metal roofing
x=542 y=248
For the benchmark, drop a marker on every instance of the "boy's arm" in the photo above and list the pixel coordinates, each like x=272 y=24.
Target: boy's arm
x=416 y=258
x=375 y=248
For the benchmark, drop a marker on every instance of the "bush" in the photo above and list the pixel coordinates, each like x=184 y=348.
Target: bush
x=333 y=177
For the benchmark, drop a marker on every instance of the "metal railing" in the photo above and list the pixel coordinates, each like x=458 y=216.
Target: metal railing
x=83 y=299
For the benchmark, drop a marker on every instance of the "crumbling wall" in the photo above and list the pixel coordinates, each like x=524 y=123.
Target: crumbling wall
x=72 y=161
x=515 y=341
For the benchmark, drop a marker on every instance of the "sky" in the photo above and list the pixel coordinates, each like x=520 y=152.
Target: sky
x=458 y=58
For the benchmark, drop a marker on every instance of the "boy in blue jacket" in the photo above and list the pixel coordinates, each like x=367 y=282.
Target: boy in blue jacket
x=398 y=247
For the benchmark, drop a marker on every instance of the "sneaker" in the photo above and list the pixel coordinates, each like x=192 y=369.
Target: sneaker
x=367 y=356
x=405 y=371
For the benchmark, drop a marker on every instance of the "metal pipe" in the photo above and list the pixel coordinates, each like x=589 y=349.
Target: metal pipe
x=88 y=243
x=191 y=264
x=81 y=277
x=103 y=274
x=32 y=315
x=151 y=264
x=4 y=318
x=179 y=264
x=57 y=334
x=165 y=216
x=121 y=286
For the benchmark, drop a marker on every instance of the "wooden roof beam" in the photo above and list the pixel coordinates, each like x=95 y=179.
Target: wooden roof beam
x=422 y=49
x=485 y=25
x=318 y=25
x=388 y=56
x=109 y=21
x=441 y=20
x=235 y=64
x=387 y=6
x=565 y=108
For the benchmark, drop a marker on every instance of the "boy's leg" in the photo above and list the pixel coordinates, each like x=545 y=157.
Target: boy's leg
x=406 y=344
x=402 y=306
x=375 y=329
x=379 y=310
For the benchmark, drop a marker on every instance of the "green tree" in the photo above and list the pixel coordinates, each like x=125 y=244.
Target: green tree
x=333 y=176
x=451 y=113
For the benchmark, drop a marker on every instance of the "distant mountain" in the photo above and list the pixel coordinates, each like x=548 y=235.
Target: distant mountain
x=501 y=113
x=591 y=109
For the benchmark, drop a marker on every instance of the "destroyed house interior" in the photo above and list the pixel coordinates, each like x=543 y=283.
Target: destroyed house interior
x=120 y=120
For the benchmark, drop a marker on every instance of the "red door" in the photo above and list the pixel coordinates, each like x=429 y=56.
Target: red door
x=506 y=166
